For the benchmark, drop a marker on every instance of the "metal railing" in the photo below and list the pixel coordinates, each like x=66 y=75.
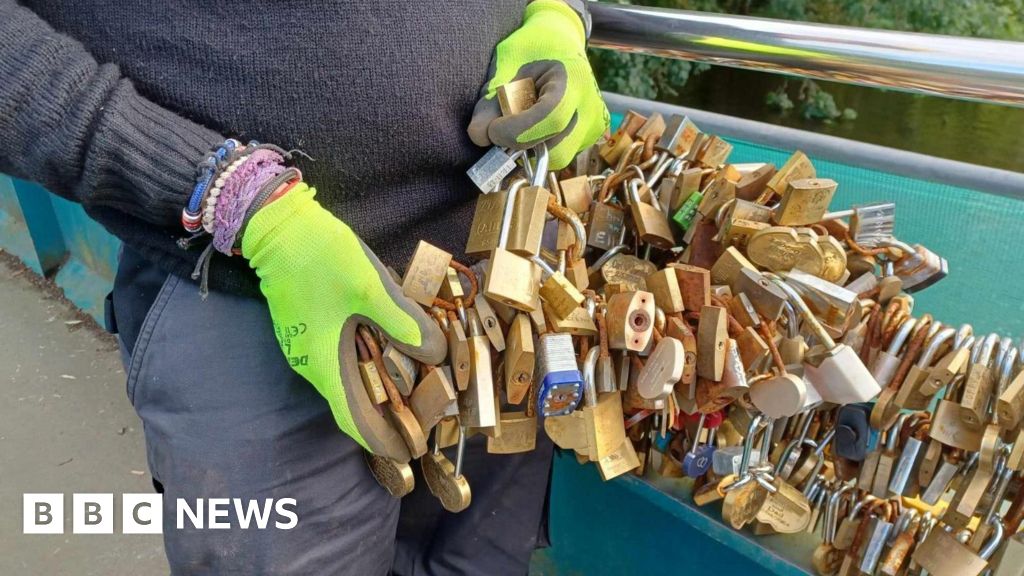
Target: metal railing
x=965 y=68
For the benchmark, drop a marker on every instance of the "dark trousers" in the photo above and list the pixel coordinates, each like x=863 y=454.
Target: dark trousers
x=225 y=417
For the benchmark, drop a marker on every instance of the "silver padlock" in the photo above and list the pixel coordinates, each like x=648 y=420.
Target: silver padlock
x=492 y=168
x=888 y=360
x=838 y=374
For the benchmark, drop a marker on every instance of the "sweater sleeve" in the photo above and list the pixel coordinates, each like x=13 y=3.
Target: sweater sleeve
x=81 y=130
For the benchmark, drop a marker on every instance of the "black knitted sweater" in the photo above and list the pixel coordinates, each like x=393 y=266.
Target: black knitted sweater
x=113 y=103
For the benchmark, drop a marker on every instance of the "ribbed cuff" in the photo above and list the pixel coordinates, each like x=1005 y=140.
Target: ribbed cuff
x=145 y=158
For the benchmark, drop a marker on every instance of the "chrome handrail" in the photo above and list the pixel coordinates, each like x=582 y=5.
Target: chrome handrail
x=965 y=68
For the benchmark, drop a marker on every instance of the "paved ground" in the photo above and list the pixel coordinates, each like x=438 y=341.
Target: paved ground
x=65 y=426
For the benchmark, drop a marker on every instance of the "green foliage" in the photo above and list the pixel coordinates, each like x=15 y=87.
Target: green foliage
x=640 y=75
x=657 y=78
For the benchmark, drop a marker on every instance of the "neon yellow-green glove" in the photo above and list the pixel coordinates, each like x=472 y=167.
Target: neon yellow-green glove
x=321 y=282
x=570 y=115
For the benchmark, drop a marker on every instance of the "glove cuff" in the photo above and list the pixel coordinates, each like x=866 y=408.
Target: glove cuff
x=580 y=7
x=538 y=7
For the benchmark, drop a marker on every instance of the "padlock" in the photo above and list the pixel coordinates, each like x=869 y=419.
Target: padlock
x=767 y=299
x=876 y=544
x=651 y=223
x=753 y=179
x=519 y=359
x=687 y=213
x=852 y=432
x=679 y=135
x=516 y=96
x=664 y=285
x=630 y=320
x=887 y=361
x=919 y=268
x=694 y=284
x=426 y=273
x=602 y=414
x=432 y=398
x=978 y=383
x=557 y=375
x=835 y=306
x=444 y=479
x=712 y=336
x=606 y=226
x=797 y=167
x=804 y=201
x=394 y=476
x=518 y=434
x=511 y=279
x=838 y=375
x=558 y=294
x=476 y=404
x=698 y=458
x=870 y=224
x=401 y=368
x=528 y=218
x=728 y=267
x=663 y=369
x=942 y=554
x=913 y=393
x=488 y=172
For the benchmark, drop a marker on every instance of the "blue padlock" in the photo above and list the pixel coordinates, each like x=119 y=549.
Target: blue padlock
x=698 y=460
x=561 y=383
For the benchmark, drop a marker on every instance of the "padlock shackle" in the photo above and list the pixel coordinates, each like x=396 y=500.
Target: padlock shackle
x=604 y=258
x=801 y=306
x=506 y=215
x=963 y=333
x=992 y=544
x=589 y=370
x=545 y=268
x=933 y=347
x=901 y=336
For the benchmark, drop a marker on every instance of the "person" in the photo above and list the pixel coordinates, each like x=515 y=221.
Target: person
x=256 y=158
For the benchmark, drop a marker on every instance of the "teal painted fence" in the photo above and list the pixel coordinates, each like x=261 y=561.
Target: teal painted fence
x=55 y=238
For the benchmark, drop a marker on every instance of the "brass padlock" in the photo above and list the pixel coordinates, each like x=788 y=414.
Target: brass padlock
x=728 y=266
x=528 y=217
x=517 y=96
x=606 y=226
x=434 y=397
x=518 y=434
x=712 y=334
x=558 y=294
x=426 y=273
x=805 y=201
x=630 y=319
x=753 y=179
x=796 y=168
x=476 y=404
x=651 y=223
x=511 y=279
x=668 y=296
x=444 y=479
x=519 y=359
x=695 y=285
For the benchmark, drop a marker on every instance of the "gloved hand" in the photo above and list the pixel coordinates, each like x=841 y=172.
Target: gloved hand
x=570 y=115
x=321 y=282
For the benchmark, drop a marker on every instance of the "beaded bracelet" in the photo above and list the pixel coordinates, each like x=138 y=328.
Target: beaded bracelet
x=206 y=172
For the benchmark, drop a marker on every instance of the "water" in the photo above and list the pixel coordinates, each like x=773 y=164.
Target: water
x=984 y=134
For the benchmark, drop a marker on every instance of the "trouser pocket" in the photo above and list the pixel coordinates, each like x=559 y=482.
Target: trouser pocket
x=149 y=326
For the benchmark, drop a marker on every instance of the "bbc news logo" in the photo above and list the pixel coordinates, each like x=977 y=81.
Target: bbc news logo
x=144 y=514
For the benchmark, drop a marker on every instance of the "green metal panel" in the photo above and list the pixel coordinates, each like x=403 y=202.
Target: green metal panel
x=635 y=526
